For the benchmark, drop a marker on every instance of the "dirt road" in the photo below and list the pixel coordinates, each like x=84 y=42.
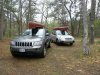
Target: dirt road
x=60 y=60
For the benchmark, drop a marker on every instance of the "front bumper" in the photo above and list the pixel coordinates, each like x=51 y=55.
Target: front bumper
x=66 y=42
x=26 y=51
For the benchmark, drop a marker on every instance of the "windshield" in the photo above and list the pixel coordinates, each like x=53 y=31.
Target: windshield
x=27 y=32
x=34 y=32
x=62 y=32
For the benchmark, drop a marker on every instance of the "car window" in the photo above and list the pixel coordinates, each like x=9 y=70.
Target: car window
x=62 y=32
x=34 y=32
x=66 y=33
x=27 y=32
x=58 y=32
x=40 y=32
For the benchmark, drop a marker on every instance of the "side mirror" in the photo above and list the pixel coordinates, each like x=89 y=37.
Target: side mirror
x=47 y=34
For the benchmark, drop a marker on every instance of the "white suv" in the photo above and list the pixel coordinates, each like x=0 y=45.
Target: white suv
x=62 y=36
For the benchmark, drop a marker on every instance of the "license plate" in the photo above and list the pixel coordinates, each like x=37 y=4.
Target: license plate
x=21 y=50
x=68 y=39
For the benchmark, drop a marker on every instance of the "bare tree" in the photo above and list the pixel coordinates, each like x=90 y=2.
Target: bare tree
x=20 y=17
x=10 y=20
x=42 y=12
x=59 y=13
x=1 y=19
x=92 y=19
x=64 y=10
x=70 y=15
x=86 y=48
x=98 y=10
x=30 y=10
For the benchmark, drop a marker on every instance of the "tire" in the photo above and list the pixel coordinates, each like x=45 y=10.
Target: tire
x=49 y=46
x=57 y=42
x=43 y=52
x=71 y=44
x=14 y=55
x=52 y=41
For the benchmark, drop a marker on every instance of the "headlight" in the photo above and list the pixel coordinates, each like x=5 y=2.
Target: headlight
x=37 y=43
x=73 y=38
x=12 y=42
x=62 y=38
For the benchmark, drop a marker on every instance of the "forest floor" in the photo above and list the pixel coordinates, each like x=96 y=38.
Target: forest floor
x=60 y=60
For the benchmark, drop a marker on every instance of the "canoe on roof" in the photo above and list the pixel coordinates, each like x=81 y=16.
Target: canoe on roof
x=61 y=28
x=35 y=25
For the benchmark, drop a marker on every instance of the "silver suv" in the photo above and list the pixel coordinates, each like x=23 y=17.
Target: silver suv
x=31 y=42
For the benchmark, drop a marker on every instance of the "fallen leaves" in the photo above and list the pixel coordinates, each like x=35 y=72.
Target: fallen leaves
x=61 y=60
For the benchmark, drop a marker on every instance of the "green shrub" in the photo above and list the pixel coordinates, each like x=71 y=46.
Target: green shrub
x=98 y=42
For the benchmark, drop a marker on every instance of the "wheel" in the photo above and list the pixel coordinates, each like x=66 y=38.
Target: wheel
x=52 y=41
x=71 y=44
x=43 y=52
x=13 y=54
x=49 y=45
x=57 y=42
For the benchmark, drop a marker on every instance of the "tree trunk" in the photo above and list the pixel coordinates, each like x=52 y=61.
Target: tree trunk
x=10 y=23
x=7 y=23
x=30 y=11
x=42 y=14
x=86 y=48
x=46 y=17
x=92 y=19
x=20 y=16
x=78 y=27
x=98 y=10
x=1 y=19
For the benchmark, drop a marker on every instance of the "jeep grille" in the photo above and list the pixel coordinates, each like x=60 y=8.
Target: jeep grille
x=24 y=44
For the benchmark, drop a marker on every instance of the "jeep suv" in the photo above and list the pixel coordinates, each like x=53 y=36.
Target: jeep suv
x=33 y=41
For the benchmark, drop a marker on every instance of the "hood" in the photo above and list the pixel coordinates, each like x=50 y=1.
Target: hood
x=27 y=38
x=65 y=36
